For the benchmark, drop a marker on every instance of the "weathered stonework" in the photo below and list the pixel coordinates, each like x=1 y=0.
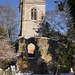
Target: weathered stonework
x=43 y=57
x=22 y=62
x=35 y=54
x=32 y=28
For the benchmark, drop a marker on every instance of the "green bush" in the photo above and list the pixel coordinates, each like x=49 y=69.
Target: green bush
x=2 y=31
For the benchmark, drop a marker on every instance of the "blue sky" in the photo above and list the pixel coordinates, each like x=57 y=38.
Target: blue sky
x=51 y=5
x=15 y=3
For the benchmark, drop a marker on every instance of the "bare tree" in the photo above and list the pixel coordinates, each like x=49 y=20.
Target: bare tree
x=8 y=16
x=67 y=6
x=7 y=54
x=57 y=20
x=60 y=20
x=65 y=52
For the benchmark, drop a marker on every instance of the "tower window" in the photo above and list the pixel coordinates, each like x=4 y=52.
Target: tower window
x=33 y=14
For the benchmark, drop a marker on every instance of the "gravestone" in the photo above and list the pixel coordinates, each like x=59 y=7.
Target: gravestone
x=1 y=71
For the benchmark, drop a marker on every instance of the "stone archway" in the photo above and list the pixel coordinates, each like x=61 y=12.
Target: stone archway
x=31 y=50
x=43 y=68
x=40 y=47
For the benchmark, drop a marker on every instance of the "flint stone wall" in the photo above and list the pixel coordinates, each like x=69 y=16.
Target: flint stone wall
x=44 y=50
x=29 y=27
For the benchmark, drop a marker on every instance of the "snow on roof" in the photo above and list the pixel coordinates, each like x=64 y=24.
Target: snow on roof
x=39 y=38
x=55 y=39
x=20 y=37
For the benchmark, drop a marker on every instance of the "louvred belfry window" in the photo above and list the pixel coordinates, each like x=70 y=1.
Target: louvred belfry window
x=33 y=14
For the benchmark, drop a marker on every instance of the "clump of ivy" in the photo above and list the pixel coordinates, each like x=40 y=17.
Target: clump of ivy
x=64 y=54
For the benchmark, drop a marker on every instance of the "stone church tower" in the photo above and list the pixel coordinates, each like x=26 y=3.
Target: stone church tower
x=32 y=18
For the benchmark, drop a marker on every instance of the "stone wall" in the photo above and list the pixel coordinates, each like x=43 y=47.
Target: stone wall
x=44 y=47
x=28 y=27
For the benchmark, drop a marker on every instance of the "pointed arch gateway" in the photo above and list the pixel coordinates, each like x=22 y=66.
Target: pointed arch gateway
x=33 y=14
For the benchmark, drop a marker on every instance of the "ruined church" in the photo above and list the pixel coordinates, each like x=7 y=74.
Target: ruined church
x=34 y=54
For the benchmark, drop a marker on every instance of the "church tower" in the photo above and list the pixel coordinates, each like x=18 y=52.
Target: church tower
x=32 y=18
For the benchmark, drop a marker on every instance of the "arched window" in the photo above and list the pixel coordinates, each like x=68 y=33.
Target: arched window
x=33 y=14
x=31 y=50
